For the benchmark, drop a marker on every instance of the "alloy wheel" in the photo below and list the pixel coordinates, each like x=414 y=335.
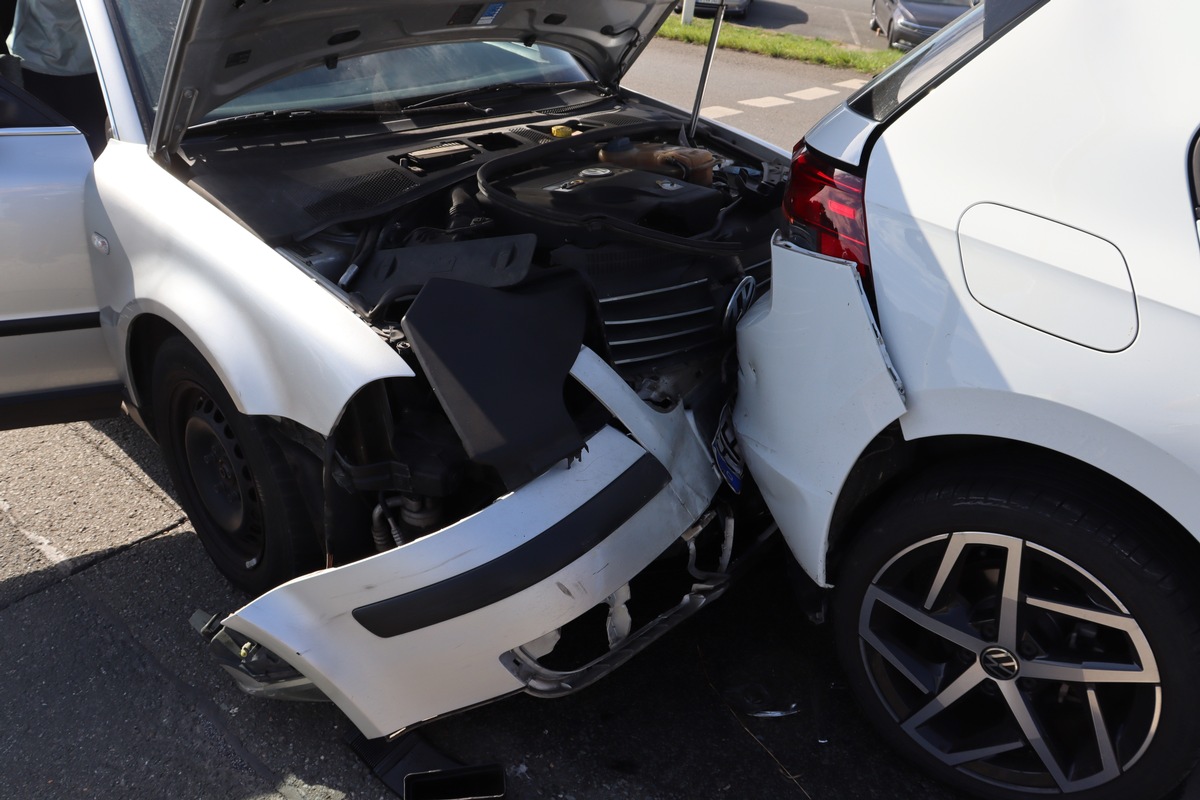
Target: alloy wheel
x=1010 y=663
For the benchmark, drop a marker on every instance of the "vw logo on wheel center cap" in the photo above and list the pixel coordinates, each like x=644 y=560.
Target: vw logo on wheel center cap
x=999 y=663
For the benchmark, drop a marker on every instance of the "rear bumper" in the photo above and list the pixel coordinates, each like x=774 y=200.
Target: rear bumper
x=815 y=386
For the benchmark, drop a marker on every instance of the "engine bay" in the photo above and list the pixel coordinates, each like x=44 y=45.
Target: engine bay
x=487 y=257
x=658 y=235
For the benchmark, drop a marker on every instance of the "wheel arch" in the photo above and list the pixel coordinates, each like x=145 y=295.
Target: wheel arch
x=892 y=462
x=280 y=375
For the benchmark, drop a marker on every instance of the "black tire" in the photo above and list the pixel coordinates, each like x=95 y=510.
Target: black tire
x=891 y=34
x=232 y=479
x=960 y=680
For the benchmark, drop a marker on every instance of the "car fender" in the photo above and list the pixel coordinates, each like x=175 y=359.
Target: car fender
x=282 y=344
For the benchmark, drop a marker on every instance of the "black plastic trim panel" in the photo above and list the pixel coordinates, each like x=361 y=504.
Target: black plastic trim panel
x=552 y=550
x=54 y=406
x=56 y=324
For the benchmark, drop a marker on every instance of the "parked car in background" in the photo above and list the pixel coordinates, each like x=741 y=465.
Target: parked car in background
x=969 y=403
x=432 y=320
x=907 y=23
x=733 y=8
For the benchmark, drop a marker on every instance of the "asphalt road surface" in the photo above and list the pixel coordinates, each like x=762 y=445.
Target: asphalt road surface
x=774 y=99
x=110 y=694
x=847 y=21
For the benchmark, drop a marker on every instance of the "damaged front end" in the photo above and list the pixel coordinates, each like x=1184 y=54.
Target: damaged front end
x=543 y=589
x=542 y=498
x=540 y=508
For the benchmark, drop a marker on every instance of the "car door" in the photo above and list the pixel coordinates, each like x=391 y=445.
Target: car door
x=54 y=364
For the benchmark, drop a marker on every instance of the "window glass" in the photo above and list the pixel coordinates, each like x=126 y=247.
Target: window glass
x=18 y=110
x=147 y=28
x=938 y=56
x=387 y=80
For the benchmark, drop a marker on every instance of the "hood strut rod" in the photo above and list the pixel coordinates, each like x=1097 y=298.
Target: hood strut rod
x=708 y=57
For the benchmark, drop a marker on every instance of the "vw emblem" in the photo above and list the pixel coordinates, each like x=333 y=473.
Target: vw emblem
x=741 y=299
x=999 y=663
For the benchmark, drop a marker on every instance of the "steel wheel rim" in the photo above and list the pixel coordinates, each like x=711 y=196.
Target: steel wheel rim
x=220 y=477
x=1010 y=663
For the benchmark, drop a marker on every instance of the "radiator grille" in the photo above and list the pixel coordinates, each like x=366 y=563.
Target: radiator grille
x=657 y=323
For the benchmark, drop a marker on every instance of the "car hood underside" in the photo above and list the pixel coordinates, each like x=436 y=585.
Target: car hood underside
x=224 y=49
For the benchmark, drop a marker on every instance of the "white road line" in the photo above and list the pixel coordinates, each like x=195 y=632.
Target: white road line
x=815 y=93
x=55 y=556
x=852 y=84
x=716 y=112
x=766 y=102
x=850 y=26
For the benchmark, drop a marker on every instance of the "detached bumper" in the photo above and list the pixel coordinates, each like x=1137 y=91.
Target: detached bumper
x=420 y=631
x=815 y=386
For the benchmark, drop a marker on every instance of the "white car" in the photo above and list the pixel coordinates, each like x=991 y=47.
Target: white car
x=430 y=317
x=968 y=399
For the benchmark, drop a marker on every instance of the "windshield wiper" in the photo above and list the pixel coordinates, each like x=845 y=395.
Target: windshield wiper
x=444 y=107
x=498 y=88
x=289 y=115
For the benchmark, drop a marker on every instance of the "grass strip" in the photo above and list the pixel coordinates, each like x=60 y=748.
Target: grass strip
x=780 y=45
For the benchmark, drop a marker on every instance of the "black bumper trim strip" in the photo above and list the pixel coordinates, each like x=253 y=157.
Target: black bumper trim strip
x=555 y=548
x=55 y=324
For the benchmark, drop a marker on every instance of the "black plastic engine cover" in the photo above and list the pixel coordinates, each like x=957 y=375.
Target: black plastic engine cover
x=643 y=198
x=498 y=361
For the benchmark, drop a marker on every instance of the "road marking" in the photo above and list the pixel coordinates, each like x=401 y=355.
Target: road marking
x=716 y=112
x=766 y=102
x=815 y=93
x=850 y=26
x=854 y=83
x=55 y=556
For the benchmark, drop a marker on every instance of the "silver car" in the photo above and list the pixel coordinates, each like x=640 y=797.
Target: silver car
x=431 y=319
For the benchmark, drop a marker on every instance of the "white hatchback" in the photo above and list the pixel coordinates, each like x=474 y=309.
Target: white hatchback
x=967 y=401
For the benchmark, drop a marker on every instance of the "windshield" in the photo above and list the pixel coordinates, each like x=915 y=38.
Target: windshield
x=386 y=81
x=146 y=28
x=380 y=81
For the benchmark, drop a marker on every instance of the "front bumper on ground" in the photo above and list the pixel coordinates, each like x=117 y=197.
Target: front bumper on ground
x=421 y=630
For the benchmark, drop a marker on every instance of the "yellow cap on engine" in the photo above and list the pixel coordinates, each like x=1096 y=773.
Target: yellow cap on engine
x=561 y=131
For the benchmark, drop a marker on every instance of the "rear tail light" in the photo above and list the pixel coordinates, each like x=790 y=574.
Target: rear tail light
x=825 y=210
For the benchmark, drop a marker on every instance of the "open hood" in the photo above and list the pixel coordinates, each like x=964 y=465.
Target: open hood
x=224 y=48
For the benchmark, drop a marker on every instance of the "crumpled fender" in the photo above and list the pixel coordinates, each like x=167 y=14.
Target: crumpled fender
x=282 y=344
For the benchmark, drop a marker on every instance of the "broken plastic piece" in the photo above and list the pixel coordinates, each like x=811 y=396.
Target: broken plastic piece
x=415 y=770
x=753 y=699
x=464 y=783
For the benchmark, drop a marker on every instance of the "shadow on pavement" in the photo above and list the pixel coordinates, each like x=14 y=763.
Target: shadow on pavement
x=676 y=723
x=770 y=15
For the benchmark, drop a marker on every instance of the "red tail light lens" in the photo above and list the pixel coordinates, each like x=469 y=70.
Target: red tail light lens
x=825 y=209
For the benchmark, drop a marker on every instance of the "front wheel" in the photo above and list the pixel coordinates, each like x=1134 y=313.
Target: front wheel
x=232 y=479
x=1020 y=637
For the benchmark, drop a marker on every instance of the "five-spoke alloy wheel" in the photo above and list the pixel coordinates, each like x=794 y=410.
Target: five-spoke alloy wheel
x=1019 y=638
